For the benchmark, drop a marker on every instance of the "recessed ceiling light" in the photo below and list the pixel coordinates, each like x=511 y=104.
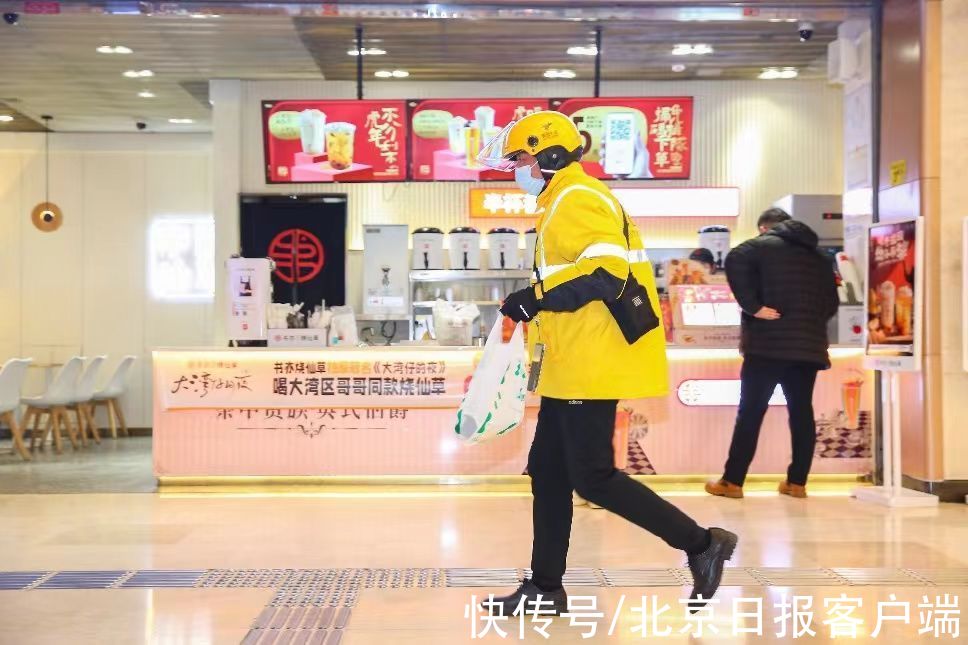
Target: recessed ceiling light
x=383 y=73
x=138 y=73
x=400 y=73
x=581 y=50
x=678 y=67
x=146 y=94
x=181 y=121
x=773 y=73
x=114 y=49
x=5 y=118
x=368 y=51
x=559 y=73
x=685 y=49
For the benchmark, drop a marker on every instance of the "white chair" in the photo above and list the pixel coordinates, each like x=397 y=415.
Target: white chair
x=110 y=396
x=54 y=404
x=83 y=401
x=12 y=377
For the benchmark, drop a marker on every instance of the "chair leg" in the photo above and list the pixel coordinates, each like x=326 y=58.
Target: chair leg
x=72 y=434
x=28 y=418
x=91 y=423
x=48 y=429
x=48 y=426
x=57 y=416
x=109 y=409
x=18 y=436
x=81 y=425
x=120 y=413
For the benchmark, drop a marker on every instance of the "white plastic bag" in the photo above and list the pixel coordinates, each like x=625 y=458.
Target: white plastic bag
x=454 y=323
x=494 y=403
x=342 y=328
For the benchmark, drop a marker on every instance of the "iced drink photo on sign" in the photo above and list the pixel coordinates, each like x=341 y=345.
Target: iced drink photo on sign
x=903 y=310
x=887 y=292
x=455 y=134
x=484 y=116
x=339 y=142
x=472 y=143
x=312 y=131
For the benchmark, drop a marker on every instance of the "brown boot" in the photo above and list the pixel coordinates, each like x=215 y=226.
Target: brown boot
x=723 y=488
x=793 y=490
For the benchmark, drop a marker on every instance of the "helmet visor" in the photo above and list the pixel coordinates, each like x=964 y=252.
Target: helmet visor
x=494 y=155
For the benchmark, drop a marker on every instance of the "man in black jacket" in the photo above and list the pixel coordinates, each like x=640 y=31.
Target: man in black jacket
x=788 y=292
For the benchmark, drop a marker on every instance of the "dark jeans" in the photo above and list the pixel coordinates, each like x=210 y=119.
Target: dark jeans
x=759 y=377
x=572 y=450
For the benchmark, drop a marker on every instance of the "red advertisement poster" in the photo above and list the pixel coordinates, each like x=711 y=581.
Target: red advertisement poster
x=447 y=135
x=892 y=311
x=633 y=138
x=334 y=141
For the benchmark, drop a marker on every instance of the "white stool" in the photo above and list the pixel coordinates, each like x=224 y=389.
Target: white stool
x=12 y=377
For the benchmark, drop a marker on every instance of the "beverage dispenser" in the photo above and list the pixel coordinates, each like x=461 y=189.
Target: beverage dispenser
x=465 y=248
x=503 y=250
x=428 y=249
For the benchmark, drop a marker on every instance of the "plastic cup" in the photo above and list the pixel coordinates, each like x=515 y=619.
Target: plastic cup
x=339 y=142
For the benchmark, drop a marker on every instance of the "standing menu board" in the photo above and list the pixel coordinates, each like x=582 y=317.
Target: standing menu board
x=894 y=296
x=447 y=135
x=329 y=141
x=633 y=138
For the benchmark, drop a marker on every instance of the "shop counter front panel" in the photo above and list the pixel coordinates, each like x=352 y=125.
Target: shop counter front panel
x=265 y=413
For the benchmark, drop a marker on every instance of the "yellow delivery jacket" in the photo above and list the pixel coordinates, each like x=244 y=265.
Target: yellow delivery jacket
x=586 y=356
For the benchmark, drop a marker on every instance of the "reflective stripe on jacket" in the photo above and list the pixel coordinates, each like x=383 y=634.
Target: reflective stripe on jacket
x=581 y=258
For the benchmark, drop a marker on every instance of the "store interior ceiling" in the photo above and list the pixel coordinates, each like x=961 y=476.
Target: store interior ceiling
x=52 y=64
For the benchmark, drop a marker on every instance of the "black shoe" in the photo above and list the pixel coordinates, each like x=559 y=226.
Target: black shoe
x=552 y=602
x=707 y=567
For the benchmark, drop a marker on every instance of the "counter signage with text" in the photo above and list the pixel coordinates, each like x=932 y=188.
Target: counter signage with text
x=448 y=134
x=501 y=202
x=633 y=138
x=330 y=141
x=314 y=379
x=893 y=292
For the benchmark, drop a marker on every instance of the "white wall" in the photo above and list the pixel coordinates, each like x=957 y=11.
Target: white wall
x=83 y=289
x=769 y=138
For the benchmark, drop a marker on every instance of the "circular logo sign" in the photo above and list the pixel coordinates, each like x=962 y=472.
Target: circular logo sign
x=298 y=255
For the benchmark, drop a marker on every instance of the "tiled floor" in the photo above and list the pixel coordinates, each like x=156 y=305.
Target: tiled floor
x=397 y=562
x=122 y=466
x=100 y=557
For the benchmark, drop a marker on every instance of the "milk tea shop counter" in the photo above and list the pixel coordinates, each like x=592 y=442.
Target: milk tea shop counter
x=309 y=392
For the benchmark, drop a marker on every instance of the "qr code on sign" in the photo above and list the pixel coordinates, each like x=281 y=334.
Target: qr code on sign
x=620 y=129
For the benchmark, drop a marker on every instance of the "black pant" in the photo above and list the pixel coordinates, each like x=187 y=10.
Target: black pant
x=759 y=378
x=572 y=450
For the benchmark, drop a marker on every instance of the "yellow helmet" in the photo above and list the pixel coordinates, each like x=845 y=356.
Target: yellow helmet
x=549 y=136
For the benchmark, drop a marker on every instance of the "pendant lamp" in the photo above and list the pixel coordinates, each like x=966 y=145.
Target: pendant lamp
x=47 y=215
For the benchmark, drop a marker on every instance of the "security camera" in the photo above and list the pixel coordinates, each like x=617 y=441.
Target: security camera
x=11 y=18
x=805 y=29
x=141 y=125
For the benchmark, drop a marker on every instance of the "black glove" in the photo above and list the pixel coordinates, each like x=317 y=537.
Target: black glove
x=521 y=306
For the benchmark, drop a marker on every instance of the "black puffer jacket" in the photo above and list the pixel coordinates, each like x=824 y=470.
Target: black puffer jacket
x=784 y=270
